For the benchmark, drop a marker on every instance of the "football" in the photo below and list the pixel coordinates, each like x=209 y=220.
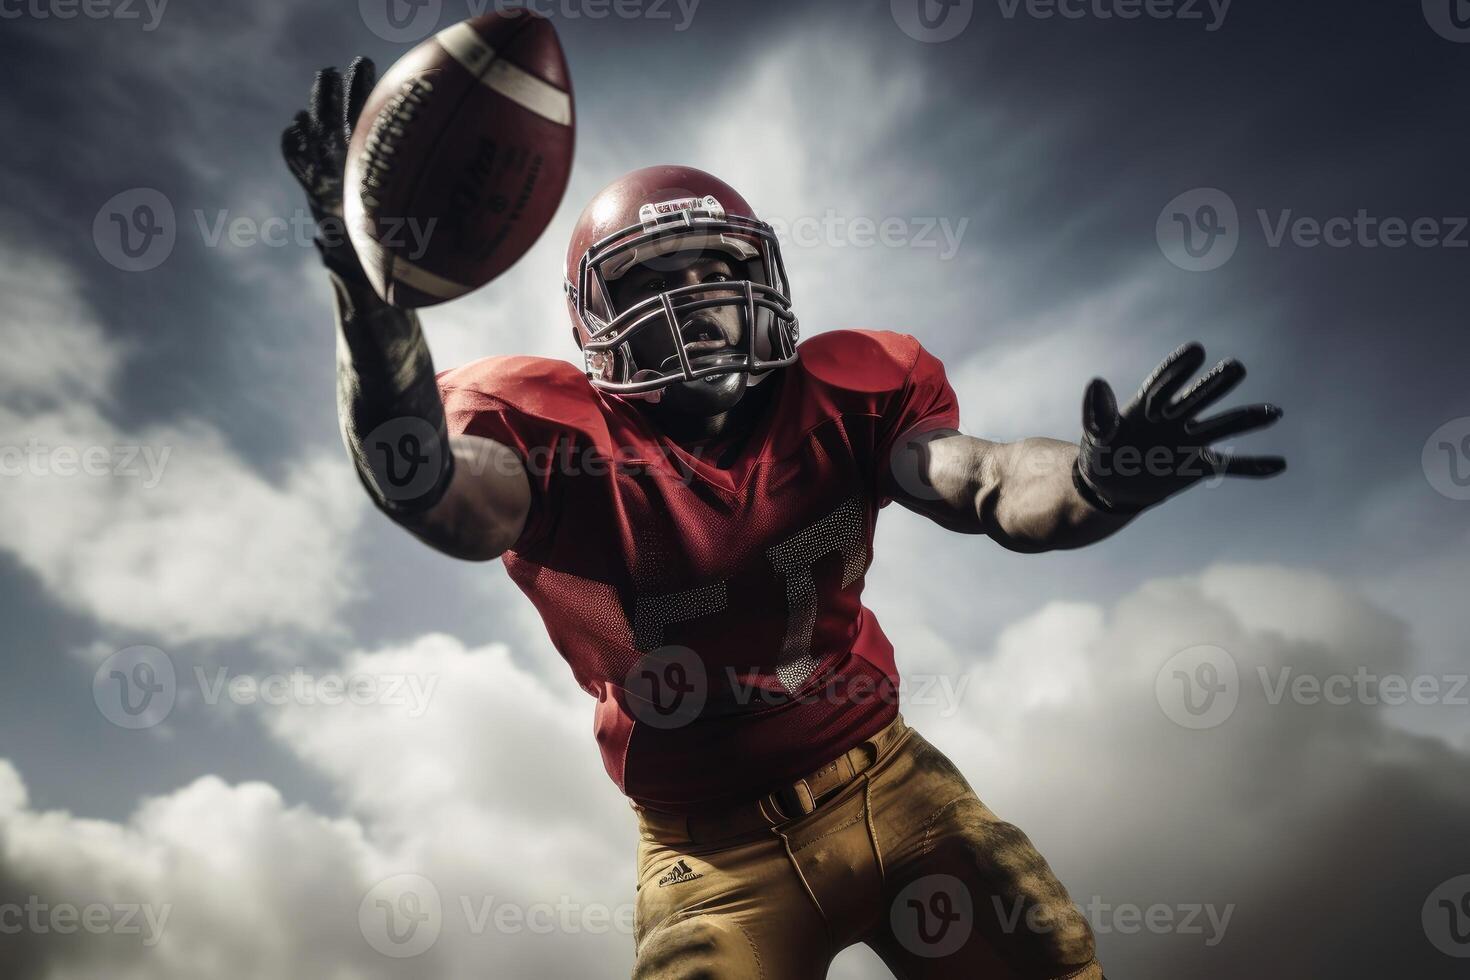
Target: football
x=460 y=158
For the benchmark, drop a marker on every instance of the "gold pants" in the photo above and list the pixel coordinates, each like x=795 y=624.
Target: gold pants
x=904 y=858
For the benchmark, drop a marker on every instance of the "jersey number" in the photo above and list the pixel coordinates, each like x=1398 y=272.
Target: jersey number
x=793 y=559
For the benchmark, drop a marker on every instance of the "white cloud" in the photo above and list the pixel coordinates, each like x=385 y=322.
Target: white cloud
x=163 y=528
x=1062 y=733
x=53 y=344
x=496 y=794
x=464 y=750
x=230 y=880
x=496 y=791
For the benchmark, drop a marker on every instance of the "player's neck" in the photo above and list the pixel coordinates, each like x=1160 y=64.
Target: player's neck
x=687 y=429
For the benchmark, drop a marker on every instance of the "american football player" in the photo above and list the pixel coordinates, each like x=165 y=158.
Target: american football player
x=692 y=513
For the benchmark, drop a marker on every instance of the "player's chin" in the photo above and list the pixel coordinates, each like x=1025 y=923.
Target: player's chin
x=707 y=396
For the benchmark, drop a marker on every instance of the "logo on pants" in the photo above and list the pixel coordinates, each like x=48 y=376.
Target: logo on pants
x=678 y=874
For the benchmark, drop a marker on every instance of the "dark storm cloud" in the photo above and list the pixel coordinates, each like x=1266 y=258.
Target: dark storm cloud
x=1091 y=126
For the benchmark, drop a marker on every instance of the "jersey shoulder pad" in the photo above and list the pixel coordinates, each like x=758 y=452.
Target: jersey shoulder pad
x=541 y=388
x=865 y=362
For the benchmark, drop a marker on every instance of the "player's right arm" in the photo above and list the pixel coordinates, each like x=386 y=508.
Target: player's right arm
x=465 y=495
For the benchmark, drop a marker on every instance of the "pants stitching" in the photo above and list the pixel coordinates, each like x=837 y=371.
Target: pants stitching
x=927 y=844
x=834 y=830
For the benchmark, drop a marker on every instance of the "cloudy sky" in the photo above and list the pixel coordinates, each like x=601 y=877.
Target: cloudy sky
x=174 y=498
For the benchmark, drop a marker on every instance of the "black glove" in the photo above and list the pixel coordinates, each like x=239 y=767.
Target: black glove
x=1158 y=446
x=315 y=147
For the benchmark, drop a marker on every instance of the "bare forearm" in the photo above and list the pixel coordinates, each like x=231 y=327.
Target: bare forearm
x=1045 y=494
x=1020 y=494
x=1029 y=502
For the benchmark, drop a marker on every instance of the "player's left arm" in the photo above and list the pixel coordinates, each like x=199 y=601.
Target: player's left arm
x=1044 y=494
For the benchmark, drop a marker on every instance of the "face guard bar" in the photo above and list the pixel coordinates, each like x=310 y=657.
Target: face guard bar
x=692 y=225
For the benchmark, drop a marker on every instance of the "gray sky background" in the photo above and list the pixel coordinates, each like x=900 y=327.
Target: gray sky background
x=1049 y=147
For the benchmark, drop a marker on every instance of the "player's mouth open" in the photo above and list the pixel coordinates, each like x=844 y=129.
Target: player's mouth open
x=707 y=353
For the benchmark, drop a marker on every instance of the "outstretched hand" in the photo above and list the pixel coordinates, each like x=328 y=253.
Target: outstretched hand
x=315 y=144
x=315 y=148
x=1158 y=445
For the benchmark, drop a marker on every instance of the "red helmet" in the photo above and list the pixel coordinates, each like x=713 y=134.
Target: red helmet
x=674 y=214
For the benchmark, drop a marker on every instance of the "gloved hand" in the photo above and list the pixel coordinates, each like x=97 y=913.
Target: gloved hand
x=1158 y=445
x=315 y=148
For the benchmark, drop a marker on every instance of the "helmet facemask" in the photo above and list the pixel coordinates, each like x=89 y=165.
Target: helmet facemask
x=672 y=235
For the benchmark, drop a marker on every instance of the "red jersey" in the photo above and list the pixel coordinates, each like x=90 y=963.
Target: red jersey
x=715 y=613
